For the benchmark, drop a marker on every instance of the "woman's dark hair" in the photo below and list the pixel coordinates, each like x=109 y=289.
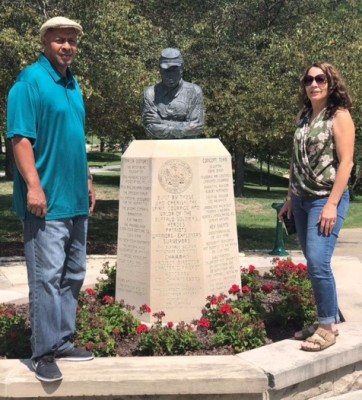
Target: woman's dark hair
x=338 y=96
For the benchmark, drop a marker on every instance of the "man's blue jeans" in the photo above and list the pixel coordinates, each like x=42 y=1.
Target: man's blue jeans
x=318 y=250
x=55 y=253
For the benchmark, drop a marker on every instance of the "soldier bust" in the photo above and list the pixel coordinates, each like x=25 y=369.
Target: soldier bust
x=173 y=108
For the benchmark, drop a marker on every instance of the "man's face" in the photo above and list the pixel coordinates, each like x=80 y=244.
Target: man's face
x=60 y=47
x=171 y=76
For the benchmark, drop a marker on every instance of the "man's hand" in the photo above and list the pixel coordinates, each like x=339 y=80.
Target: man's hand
x=92 y=195
x=36 y=202
x=152 y=119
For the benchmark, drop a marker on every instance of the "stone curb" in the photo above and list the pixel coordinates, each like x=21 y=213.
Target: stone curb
x=278 y=371
x=136 y=377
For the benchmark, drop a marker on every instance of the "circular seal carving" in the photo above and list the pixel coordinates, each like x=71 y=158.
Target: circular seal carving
x=175 y=176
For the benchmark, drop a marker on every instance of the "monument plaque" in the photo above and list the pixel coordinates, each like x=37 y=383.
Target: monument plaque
x=177 y=240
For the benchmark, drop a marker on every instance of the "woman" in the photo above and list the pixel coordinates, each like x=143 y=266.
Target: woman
x=317 y=195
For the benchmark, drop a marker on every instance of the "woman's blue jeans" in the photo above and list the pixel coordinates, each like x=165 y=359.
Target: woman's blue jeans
x=318 y=250
x=55 y=253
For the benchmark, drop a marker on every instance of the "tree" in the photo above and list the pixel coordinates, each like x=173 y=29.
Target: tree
x=17 y=47
x=246 y=55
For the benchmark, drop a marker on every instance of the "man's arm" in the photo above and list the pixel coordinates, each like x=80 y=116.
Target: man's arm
x=154 y=126
x=24 y=158
x=91 y=192
x=194 y=125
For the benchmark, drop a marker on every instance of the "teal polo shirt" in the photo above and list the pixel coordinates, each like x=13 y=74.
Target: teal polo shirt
x=48 y=109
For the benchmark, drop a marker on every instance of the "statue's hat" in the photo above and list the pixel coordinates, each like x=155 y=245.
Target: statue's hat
x=171 y=58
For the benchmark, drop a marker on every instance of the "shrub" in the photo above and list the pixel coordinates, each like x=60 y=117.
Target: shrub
x=162 y=340
x=101 y=323
x=107 y=286
x=14 y=332
x=236 y=321
x=296 y=305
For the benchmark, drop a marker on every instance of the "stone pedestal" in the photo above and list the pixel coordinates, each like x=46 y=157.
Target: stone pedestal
x=177 y=239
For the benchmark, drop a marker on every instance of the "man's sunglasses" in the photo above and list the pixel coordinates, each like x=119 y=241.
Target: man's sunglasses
x=320 y=79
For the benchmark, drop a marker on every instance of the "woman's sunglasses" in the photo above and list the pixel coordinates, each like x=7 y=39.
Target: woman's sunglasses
x=320 y=79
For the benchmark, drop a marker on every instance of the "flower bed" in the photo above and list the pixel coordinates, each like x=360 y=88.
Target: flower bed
x=256 y=311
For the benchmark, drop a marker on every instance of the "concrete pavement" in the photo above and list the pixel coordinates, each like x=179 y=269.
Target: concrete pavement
x=14 y=282
x=347 y=258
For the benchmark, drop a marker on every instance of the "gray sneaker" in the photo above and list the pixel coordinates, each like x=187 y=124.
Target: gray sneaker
x=46 y=369
x=74 y=354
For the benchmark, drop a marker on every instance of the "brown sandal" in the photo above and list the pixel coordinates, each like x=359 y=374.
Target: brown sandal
x=322 y=338
x=308 y=331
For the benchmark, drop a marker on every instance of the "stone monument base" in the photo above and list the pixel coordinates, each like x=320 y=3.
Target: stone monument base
x=177 y=240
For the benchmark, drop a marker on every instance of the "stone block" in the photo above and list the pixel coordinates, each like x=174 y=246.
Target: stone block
x=177 y=240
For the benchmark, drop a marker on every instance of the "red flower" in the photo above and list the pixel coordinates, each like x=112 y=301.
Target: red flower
x=90 y=291
x=142 y=328
x=78 y=308
x=145 y=309
x=204 y=323
x=267 y=288
x=292 y=288
x=107 y=299
x=252 y=268
x=170 y=324
x=221 y=298
x=302 y=267
x=89 y=346
x=9 y=314
x=246 y=289
x=225 y=309
x=214 y=300
x=115 y=332
x=235 y=289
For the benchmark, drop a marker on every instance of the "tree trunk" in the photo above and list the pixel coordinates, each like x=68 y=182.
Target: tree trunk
x=268 y=175
x=260 y=173
x=239 y=175
x=9 y=161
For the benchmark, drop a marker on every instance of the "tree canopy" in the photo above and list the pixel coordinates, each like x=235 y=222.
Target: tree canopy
x=247 y=55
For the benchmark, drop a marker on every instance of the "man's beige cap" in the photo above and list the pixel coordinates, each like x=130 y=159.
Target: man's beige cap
x=60 y=22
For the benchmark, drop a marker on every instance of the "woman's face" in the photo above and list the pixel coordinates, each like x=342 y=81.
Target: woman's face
x=316 y=85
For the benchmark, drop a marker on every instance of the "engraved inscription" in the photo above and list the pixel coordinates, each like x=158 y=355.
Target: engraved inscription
x=134 y=229
x=175 y=176
x=177 y=239
x=218 y=216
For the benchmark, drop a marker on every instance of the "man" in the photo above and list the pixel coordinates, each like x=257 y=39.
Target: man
x=45 y=121
x=173 y=108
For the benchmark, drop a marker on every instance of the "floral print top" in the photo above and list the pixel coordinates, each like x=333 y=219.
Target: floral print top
x=315 y=160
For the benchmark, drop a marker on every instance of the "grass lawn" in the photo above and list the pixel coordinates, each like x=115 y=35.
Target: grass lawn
x=256 y=219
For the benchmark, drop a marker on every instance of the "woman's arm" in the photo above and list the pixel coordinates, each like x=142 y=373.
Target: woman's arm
x=344 y=134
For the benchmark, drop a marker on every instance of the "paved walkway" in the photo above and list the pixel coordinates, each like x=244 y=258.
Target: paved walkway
x=347 y=257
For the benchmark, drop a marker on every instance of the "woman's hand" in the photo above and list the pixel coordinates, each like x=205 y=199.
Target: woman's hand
x=286 y=209
x=327 y=219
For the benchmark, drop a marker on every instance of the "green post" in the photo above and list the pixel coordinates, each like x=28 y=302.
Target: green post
x=278 y=249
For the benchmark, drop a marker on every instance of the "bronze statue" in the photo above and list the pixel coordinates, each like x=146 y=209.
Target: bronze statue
x=173 y=108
